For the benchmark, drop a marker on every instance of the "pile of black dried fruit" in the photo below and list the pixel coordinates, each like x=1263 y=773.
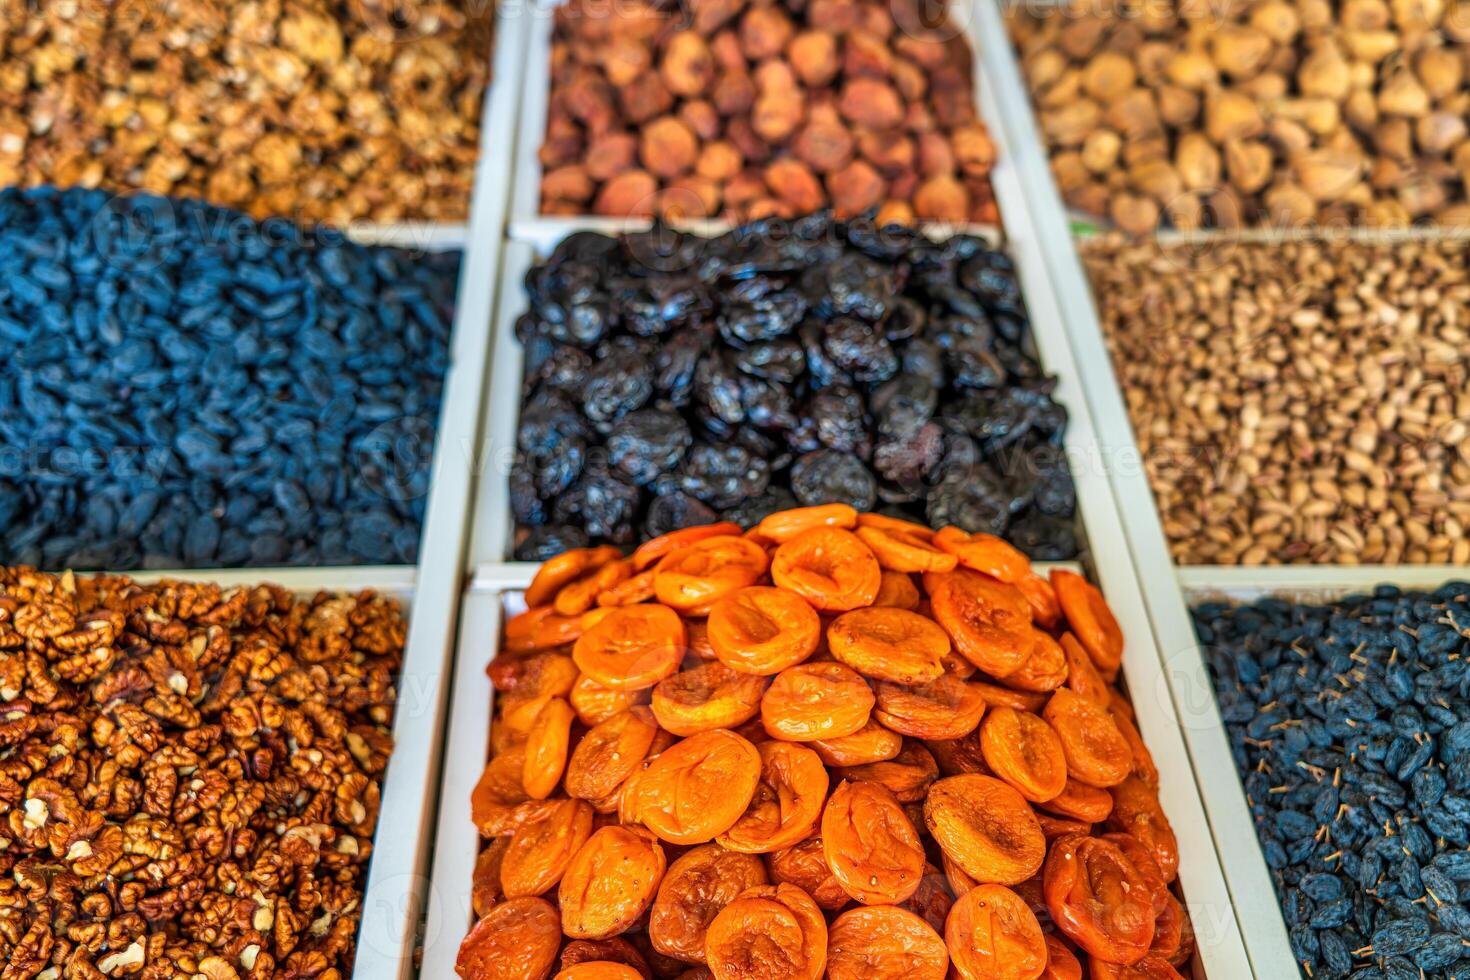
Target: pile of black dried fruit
x=187 y=387
x=1350 y=723
x=673 y=380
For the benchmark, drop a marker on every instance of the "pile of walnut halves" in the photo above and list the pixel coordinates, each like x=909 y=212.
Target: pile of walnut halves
x=749 y=109
x=190 y=776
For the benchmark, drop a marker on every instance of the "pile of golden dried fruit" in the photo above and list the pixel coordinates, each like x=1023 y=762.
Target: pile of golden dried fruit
x=1255 y=112
x=190 y=775
x=755 y=109
x=837 y=745
x=316 y=110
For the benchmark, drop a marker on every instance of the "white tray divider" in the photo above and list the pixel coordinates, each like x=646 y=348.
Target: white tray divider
x=1183 y=692
x=424 y=236
x=387 y=579
x=393 y=903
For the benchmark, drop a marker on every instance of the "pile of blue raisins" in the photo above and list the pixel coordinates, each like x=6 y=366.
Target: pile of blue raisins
x=187 y=387
x=1350 y=724
x=673 y=380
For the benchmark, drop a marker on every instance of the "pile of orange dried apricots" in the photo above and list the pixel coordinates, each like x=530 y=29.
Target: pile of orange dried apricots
x=838 y=745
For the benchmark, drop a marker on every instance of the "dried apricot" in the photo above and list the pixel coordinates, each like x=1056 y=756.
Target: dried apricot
x=515 y=940
x=1053 y=827
x=959 y=882
x=1091 y=620
x=609 y=752
x=1044 y=670
x=705 y=697
x=897 y=590
x=561 y=570
x=630 y=591
x=906 y=776
x=577 y=597
x=547 y=745
x=1145 y=864
x=1082 y=676
x=537 y=675
x=540 y=628
x=985 y=553
x=697 y=631
x=1061 y=962
x=871 y=845
x=633 y=647
x=787 y=802
x=989 y=621
x=889 y=644
x=903 y=550
x=595 y=703
x=805 y=866
x=761 y=630
x=829 y=567
x=542 y=847
x=485 y=882
x=1097 y=753
x=697 y=886
x=986 y=827
x=1080 y=802
x=959 y=755
x=784 y=525
x=599 y=970
x=996 y=696
x=1022 y=750
x=649 y=552
x=696 y=790
x=610 y=883
x=944 y=708
x=772 y=932
x=1046 y=611
x=871 y=743
x=1148 y=968
x=816 y=700
x=992 y=934
x=498 y=792
x=1137 y=813
x=695 y=576
x=1098 y=899
x=881 y=942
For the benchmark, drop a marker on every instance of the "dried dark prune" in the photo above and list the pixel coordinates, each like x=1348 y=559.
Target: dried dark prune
x=541 y=543
x=778 y=360
x=828 y=476
x=601 y=503
x=721 y=476
x=646 y=443
x=621 y=381
x=674 y=511
x=841 y=422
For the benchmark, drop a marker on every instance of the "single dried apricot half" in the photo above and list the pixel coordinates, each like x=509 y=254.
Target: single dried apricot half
x=557 y=572
x=907 y=776
x=1061 y=962
x=986 y=553
x=546 y=748
x=943 y=708
x=610 y=883
x=536 y=675
x=762 y=630
x=630 y=591
x=577 y=597
x=1079 y=801
x=828 y=567
x=805 y=866
x=1082 y=676
x=697 y=886
x=1168 y=929
x=707 y=696
x=771 y=932
x=905 y=550
x=609 y=752
x=485 y=883
x=633 y=647
x=897 y=590
x=651 y=551
x=889 y=644
x=1145 y=864
x=540 y=628
x=542 y=847
x=784 y=525
x=871 y=743
x=988 y=620
x=1097 y=753
x=498 y=792
x=959 y=755
x=881 y=942
x=614 y=950
x=995 y=696
x=1091 y=620
x=695 y=576
x=1046 y=611
x=1098 y=899
x=1044 y=670
x=787 y=802
x=933 y=899
x=1137 y=813
x=871 y=845
x=515 y=940
x=816 y=700
x=595 y=703
x=696 y=789
x=992 y=934
x=1022 y=750
x=985 y=827
x=599 y=970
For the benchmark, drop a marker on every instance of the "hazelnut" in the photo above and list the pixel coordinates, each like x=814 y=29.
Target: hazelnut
x=719 y=161
x=935 y=155
x=824 y=146
x=1289 y=204
x=569 y=183
x=765 y=31
x=795 y=185
x=724 y=47
x=1108 y=75
x=943 y=199
x=776 y=115
x=628 y=195
x=1278 y=20
x=872 y=103
x=865 y=56
x=1324 y=73
x=1178 y=107
x=688 y=68
x=891 y=153
x=1198 y=162
x=668 y=147
x=711 y=15
x=974 y=150
x=1402 y=95
x=813 y=56
x=855 y=188
x=1100 y=151
x=1327 y=175
x=1239 y=52
x=1441 y=71
x=701 y=117
x=1248 y=164
x=910 y=80
x=611 y=154
x=1230 y=115
x=1134 y=214
x=733 y=93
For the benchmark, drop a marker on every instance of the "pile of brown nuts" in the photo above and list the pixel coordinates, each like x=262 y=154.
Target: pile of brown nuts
x=1298 y=401
x=756 y=109
x=317 y=110
x=1256 y=112
x=190 y=776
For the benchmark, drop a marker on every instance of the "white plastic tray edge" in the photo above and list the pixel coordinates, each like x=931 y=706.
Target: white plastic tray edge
x=393 y=902
x=1182 y=690
x=1310 y=582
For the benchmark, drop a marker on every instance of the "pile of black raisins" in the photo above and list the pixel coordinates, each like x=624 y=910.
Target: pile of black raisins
x=187 y=387
x=1350 y=724
x=673 y=380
